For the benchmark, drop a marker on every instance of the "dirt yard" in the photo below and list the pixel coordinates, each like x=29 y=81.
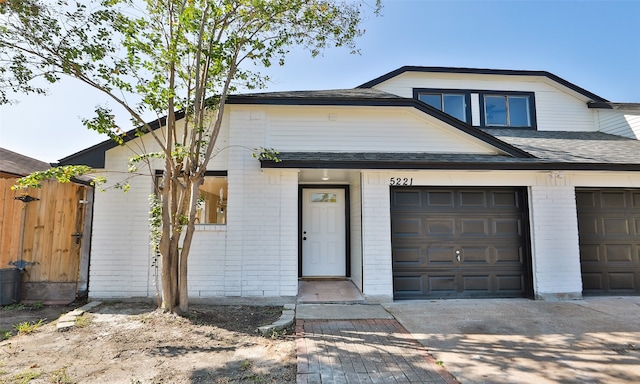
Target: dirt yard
x=135 y=344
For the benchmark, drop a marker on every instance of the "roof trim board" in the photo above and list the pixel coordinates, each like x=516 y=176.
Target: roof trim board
x=404 y=162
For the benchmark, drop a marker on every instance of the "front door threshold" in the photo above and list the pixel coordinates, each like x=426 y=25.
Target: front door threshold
x=328 y=291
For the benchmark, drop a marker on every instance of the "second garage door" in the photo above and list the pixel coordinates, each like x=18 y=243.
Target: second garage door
x=609 y=227
x=459 y=242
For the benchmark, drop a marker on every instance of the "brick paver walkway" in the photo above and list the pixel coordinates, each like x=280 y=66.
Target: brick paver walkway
x=363 y=351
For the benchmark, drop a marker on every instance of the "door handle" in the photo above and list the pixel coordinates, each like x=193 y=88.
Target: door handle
x=458 y=255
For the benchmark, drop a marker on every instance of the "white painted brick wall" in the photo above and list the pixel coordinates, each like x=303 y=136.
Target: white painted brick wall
x=556 y=253
x=120 y=242
x=376 y=237
x=355 y=211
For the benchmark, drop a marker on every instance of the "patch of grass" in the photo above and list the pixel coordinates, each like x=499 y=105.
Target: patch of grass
x=36 y=305
x=4 y=335
x=27 y=327
x=25 y=376
x=245 y=365
x=83 y=321
x=256 y=378
x=13 y=306
x=440 y=363
x=61 y=376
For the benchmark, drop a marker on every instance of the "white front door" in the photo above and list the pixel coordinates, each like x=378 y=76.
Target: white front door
x=323 y=232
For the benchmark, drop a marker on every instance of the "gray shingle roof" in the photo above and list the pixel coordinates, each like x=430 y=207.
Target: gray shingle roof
x=19 y=165
x=573 y=147
x=332 y=94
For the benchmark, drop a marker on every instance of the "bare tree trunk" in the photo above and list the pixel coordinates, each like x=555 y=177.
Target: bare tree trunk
x=196 y=182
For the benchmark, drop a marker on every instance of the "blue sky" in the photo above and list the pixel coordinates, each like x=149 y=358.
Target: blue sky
x=593 y=44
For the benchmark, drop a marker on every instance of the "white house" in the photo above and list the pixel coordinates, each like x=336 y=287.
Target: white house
x=426 y=182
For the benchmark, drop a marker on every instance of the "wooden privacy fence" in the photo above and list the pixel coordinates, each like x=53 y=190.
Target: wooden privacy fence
x=43 y=230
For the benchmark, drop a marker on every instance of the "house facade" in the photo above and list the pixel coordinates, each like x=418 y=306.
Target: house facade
x=426 y=182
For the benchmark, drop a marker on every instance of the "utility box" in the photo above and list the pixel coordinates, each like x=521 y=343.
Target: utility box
x=10 y=282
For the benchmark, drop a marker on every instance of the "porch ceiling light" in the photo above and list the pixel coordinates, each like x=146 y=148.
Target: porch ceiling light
x=325 y=176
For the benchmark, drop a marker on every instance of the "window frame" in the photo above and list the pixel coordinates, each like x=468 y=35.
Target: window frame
x=532 y=108
x=448 y=91
x=158 y=175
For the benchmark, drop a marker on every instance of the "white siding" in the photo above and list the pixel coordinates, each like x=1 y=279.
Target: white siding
x=557 y=108
x=620 y=123
x=359 y=129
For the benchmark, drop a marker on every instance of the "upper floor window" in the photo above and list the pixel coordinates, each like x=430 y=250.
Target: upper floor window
x=452 y=102
x=507 y=109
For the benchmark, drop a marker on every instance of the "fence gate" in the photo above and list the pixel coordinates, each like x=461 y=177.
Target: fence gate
x=43 y=231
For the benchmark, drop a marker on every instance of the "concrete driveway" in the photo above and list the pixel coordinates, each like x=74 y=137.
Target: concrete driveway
x=595 y=340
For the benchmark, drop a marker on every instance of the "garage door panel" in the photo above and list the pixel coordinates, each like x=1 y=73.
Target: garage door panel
x=439 y=199
x=440 y=227
x=617 y=253
x=590 y=253
x=407 y=256
x=408 y=285
x=510 y=283
x=613 y=199
x=508 y=255
x=473 y=199
x=508 y=227
x=473 y=244
x=477 y=283
x=407 y=227
x=441 y=255
x=588 y=225
x=474 y=227
x=615 y=226
x=609 y=251
x=506 y=200
x=407 y=200
x=622 y=281
x=586 y=199
x=475 y=255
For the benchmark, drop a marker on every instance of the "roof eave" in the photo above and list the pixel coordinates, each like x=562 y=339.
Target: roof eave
x=615 y=106
x=430 y=165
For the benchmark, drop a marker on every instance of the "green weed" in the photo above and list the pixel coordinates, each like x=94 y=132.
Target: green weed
x=13 y=306
x=25 y=376
x=61 y=376
x=27 y=327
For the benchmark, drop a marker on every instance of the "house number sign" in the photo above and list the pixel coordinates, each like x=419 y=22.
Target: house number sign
x=401 y=181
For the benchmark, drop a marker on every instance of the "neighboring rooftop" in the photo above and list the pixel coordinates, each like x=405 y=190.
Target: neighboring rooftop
x=13 y=164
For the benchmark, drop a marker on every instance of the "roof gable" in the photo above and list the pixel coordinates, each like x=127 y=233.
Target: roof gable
x=482 y=71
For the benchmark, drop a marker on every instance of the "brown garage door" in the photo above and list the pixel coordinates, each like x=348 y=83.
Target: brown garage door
x=609 y=228
x=459 y=242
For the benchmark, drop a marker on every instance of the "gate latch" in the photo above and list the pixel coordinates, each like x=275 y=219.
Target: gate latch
x=78 y=236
